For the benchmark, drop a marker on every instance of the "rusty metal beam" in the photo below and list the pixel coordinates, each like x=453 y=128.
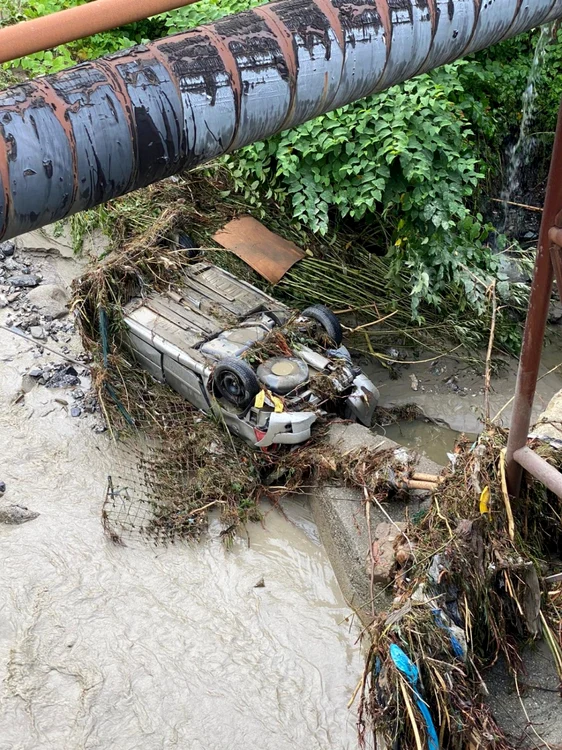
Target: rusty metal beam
x=541 y=469
x=537 y=315
x=78 y=138
x=49 y=31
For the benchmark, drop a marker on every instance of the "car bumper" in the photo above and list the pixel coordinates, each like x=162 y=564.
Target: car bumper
x=286 y=428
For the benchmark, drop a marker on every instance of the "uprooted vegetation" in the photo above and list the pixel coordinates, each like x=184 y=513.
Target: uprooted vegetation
x=469 y=587
x=341 y=271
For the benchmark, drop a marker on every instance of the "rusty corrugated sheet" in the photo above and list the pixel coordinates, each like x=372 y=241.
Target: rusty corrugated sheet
x=267 y=253
x=78 y=138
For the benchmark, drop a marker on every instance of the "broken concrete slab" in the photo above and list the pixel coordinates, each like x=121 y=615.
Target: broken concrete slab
x=340 y=515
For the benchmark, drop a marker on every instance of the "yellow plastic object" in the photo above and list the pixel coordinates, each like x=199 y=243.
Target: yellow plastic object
x=277 y=404
x=485 y=501
x=260 y=400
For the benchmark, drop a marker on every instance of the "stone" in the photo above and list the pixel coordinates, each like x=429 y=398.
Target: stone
x=11 y=265
x=549 y=423
x=31 y=321
x=35 y=372
x=38 y=333
x=76 y=411
x=64 y=378
x=50 y=300
x=23 y=281
x=511 y=269
x=3 y=301
x=7 y=248
x=16 y=514
x=555 y=312
x=383 y=551
x=2 y=488
x=14 y=297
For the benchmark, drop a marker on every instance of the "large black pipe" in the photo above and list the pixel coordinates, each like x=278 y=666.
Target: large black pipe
x=78 y=138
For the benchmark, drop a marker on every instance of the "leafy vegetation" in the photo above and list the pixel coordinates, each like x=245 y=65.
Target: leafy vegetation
x=411 y=168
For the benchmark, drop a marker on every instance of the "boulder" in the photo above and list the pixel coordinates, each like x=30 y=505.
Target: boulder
x=49 y=299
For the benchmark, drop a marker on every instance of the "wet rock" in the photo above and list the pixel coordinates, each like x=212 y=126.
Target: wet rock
x=12 y=265
x=7 y=248
x=23 y=281
x=38 y=333
x=2 y=488
x=50 y=300
x=16 y=514
x=64 y=378
x=511 y=270
x=31 y=321
x=383 y=554
x=28 y=384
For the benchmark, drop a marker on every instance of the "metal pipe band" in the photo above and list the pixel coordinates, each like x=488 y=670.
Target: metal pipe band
x=76 y=139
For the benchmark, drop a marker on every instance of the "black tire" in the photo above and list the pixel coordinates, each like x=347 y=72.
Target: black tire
x=236 y=382
x=187 y=243
x=327 y=320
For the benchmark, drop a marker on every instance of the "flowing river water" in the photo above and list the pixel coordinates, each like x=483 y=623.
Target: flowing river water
x=136 y=647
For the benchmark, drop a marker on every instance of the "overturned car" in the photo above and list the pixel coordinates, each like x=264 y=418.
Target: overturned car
x=232 y=350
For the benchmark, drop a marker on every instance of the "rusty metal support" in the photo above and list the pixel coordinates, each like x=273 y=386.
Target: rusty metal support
x=535 y=325
x=47 y=32
x=539 y=468
x=97 y=131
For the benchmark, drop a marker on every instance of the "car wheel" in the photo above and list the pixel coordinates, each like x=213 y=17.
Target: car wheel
x=185 y=242
x=236 y=382
x=327 y=321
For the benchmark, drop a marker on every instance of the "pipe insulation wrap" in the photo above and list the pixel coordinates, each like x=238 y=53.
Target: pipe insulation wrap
x=73 y=140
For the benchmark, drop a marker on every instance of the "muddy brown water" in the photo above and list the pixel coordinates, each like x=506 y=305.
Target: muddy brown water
x=134 y=647
x=451 y=395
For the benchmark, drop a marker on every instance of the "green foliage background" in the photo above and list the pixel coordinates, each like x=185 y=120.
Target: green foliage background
x=410 y=168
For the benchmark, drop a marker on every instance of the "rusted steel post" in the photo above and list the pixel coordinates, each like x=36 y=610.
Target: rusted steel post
x=76 y=139
x=46 y=32
x=537 y=316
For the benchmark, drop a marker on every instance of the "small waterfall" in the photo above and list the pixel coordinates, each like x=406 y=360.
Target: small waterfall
x=519 y=153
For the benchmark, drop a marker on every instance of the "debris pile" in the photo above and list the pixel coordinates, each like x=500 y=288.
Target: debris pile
x=469 y=585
